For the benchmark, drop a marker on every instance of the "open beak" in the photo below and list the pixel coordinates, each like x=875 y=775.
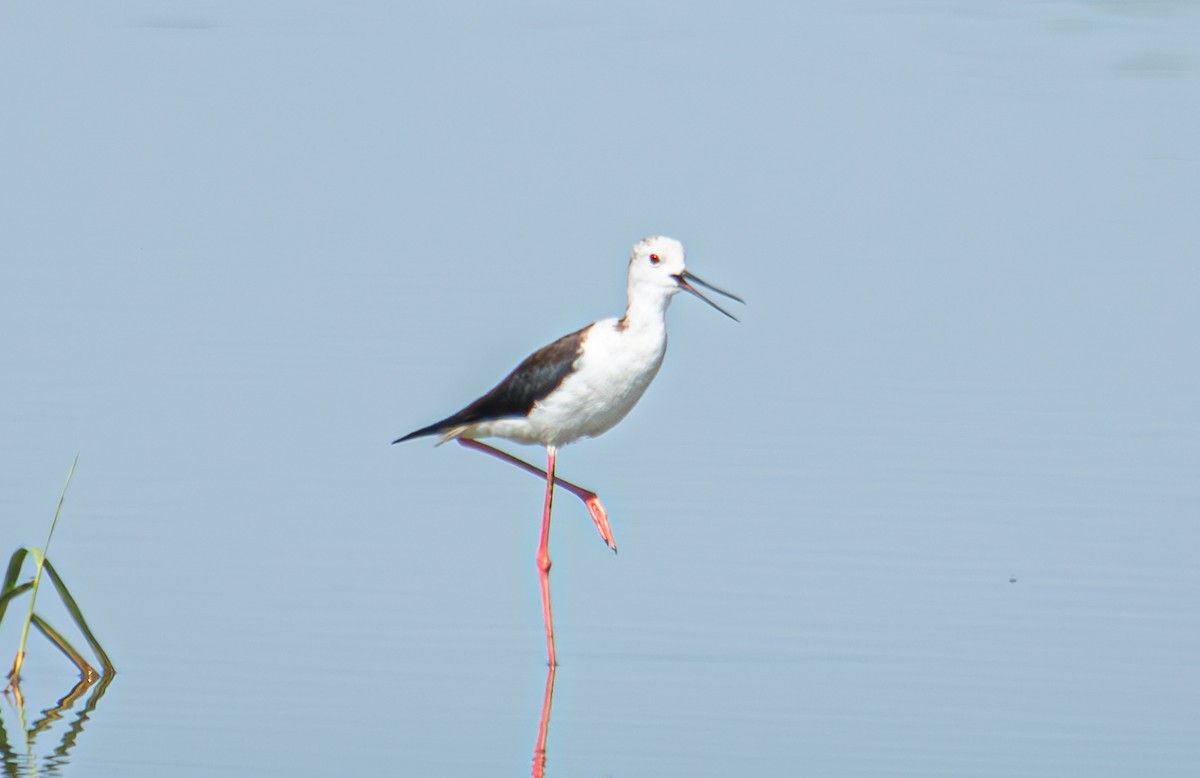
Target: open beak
x=683 y=279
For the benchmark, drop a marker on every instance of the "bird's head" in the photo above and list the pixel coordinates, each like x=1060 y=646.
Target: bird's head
x=657 y=264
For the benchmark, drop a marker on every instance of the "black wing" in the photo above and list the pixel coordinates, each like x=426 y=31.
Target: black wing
x=540 y=374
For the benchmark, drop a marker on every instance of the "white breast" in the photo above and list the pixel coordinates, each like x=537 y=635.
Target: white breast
x=610 y=377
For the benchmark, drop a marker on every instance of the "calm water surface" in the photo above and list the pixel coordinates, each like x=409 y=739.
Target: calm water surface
x=929 y=510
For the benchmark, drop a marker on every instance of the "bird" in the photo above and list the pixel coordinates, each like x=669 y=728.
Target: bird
x=580 y=386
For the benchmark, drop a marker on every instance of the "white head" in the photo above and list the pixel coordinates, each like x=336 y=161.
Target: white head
x=657 y=270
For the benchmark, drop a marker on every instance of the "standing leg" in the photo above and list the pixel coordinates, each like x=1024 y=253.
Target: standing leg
x=595 y=509
x=539 y=748
x=543 y=554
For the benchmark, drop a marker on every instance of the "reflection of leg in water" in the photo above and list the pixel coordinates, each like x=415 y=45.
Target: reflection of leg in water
x=539 y=750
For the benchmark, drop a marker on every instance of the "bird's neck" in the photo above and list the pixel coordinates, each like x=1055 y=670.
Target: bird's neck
x=647 y=309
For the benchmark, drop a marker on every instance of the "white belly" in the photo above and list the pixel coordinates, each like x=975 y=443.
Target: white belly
x=609 y=378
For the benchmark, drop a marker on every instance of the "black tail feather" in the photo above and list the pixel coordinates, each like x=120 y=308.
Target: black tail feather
x=432 y=429
x=532 y=380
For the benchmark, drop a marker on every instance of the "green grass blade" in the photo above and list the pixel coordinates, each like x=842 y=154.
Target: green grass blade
x=61 y=499
x=40 y=556
x=64 y=646
x=16 y=591
x=10 y=577
x=77 y=615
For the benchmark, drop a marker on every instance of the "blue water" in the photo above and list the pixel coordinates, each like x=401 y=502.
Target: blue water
x=930 y=509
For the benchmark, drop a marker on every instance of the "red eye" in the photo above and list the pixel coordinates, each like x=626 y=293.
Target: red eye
x=655 y=259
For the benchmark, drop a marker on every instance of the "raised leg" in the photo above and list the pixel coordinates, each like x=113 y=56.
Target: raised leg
x=543 y=554
x=595 y=509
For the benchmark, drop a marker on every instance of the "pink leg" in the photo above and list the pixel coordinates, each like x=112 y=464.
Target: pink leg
x=543 y=554
x=539 y=749
x=595 y=509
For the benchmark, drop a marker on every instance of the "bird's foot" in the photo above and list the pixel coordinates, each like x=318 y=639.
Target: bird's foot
x=600 y=518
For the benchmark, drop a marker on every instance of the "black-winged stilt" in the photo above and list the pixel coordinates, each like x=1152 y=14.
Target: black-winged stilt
x=580 y=386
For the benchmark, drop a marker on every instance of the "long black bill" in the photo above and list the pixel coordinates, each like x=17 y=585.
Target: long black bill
x=685 y=276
